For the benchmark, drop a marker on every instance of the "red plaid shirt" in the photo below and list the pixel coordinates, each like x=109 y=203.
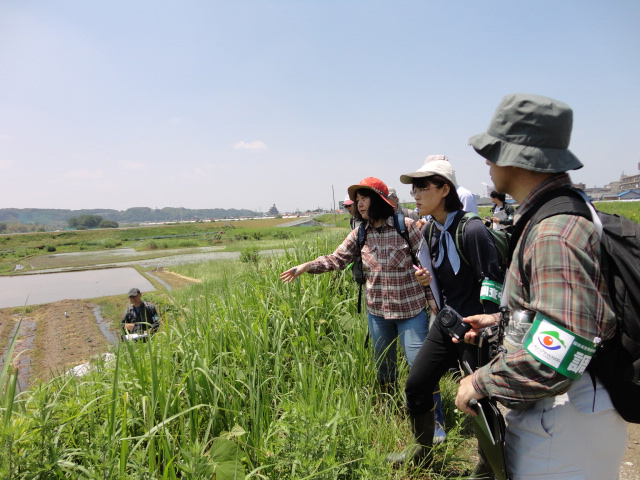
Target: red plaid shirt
x=392 y=289
x=562 y=260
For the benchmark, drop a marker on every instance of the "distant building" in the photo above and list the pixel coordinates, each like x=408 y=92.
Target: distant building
x=626 y=195
x=273 y=211
x=617 y=190
x=630 y=182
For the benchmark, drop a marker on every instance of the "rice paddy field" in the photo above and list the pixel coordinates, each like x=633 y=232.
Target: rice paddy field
x=247 y=378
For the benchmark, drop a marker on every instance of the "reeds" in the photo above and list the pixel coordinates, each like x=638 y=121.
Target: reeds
x=247 y=378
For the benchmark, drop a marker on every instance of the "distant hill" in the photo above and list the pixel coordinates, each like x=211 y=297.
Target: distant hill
x=59 y=217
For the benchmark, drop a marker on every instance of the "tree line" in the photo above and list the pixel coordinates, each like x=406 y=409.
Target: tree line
x=83 y=222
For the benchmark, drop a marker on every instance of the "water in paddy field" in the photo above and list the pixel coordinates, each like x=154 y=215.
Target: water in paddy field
x=23 y=290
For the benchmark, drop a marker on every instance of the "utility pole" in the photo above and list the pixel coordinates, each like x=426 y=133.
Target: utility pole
x=335 y=216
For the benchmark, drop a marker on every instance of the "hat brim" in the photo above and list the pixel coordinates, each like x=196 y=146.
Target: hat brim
x=537 y=159
x=407 y=178
x=354 y=188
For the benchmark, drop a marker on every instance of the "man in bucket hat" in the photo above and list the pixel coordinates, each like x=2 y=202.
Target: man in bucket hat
x=561 y=425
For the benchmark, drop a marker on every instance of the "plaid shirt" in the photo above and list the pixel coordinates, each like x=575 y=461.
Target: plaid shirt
x=392 y=289
x=561 y=259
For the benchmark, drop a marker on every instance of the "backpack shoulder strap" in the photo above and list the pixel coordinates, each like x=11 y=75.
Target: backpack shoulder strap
x=362 y=236
x=460 y=233
x=560 y=201
x=401 y=228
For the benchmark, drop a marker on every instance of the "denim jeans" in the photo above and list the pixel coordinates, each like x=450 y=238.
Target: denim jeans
x=410 y=331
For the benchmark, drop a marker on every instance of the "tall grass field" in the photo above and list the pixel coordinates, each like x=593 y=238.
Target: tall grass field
x=247 y=378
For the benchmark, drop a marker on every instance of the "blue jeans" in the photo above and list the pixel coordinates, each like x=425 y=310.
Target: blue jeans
x=410 y=331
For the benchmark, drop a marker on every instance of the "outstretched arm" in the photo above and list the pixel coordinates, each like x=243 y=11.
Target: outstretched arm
x=290 y=275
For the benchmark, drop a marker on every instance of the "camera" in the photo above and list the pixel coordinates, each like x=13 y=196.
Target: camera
x=452 y=323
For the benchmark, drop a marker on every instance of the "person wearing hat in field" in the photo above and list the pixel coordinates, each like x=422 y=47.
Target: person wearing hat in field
x=349 y=206
x=562 y=426
x=139 y=316
x=396 y=301
x=393 y=197
x=460 y=277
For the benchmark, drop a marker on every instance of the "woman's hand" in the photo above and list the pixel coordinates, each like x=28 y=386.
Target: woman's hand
x=478 y=323
x=423 y=276
x=293 y=273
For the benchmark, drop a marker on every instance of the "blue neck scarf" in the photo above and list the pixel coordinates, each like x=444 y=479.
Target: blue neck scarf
x=452 y=252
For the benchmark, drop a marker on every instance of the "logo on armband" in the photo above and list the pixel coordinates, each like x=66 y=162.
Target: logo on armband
x=558 y=348
x=491 y=291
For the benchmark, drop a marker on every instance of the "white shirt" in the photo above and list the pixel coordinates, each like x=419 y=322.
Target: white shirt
x=468 y=199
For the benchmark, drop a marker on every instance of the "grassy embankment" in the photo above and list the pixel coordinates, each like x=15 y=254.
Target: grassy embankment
x=247 y=377
x=153 y=241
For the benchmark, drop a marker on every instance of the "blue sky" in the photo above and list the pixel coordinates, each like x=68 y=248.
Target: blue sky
x=246 y=104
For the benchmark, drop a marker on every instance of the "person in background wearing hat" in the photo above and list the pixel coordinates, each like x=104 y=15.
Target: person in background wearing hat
x=459 y=285
x=139 y=316
x=395 y=299
x=562 y=428
x=393 y=197
x=349 y=206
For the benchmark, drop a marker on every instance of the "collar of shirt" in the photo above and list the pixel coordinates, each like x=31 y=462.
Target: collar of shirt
x=555 y=181
x=388 y=222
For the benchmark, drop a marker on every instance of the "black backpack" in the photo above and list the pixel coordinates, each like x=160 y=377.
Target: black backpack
x=617 y=362
x=357 y=269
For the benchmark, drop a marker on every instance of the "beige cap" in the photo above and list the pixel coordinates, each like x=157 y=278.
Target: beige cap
x=430 y=168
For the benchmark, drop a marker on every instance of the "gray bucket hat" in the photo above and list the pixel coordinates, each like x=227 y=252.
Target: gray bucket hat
x=530 y=132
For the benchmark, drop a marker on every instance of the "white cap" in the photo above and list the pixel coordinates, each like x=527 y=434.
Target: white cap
x=430 y=168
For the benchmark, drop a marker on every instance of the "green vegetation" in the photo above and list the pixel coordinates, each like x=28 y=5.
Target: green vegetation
x=232 y=236
x=630 y=210
x=247 y=378
x=58 y=218
x=82 y=222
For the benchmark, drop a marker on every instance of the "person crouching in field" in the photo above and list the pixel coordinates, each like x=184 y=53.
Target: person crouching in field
x=139 y=317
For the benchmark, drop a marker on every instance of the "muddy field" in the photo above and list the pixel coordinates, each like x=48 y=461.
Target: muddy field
x=58 y=336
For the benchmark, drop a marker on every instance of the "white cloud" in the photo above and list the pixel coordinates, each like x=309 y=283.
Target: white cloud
x=254 y=145
x=5 y=164
x=78 y=175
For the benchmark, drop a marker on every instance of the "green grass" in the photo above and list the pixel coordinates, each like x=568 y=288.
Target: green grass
x=248 y=378
x=629 y=210
x=233 y=236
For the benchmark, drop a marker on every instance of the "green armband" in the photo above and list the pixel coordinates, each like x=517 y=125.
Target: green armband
x=491 y=291
x=558 y=348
